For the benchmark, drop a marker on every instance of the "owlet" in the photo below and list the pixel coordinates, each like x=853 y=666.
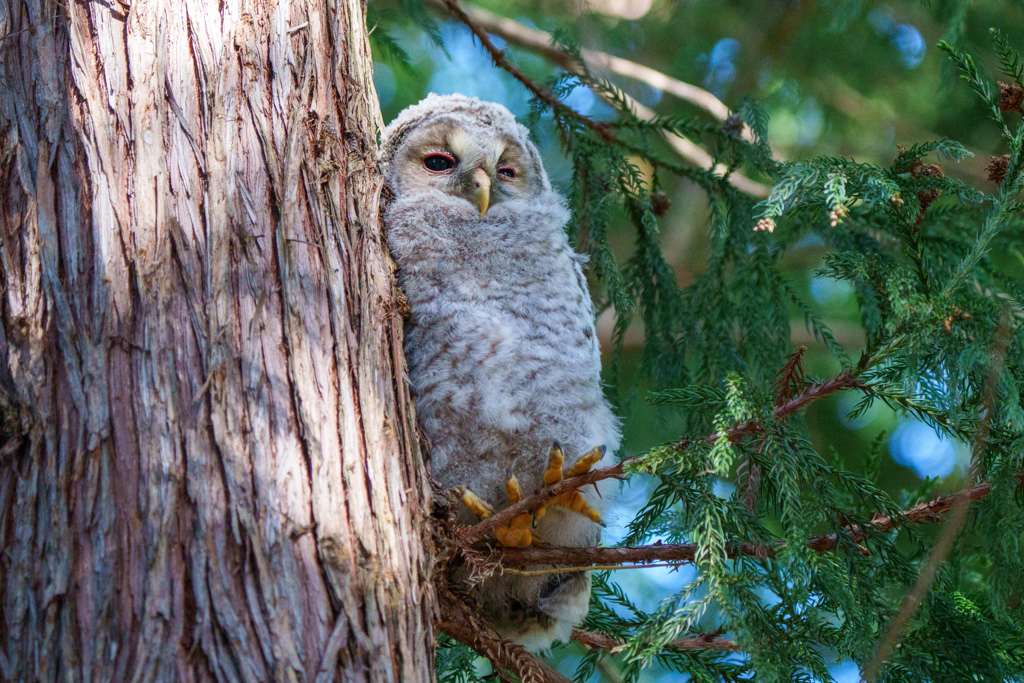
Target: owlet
x=500 y=341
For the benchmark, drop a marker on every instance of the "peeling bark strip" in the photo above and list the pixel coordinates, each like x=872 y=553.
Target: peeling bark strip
x=211 y=470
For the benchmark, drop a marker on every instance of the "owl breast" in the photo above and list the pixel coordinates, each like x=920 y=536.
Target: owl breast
x=502 y=352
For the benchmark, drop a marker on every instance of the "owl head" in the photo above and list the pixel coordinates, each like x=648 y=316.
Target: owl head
x=463 y=147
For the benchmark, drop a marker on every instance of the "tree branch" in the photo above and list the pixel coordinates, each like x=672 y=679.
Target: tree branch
x=452 y=7
x=459 y=622
x=844 y=380
x=583 y=558
x=541 y=43
x=700 y=641
x=481 y=23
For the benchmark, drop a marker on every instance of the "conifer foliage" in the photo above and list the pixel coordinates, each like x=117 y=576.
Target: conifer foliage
x=806 y=562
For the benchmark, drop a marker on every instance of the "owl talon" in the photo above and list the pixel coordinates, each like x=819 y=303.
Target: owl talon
x=571 y=499
x=586 y=461
x=512 y=490
x=475 y=504
x=555 y=459
x=517 y=533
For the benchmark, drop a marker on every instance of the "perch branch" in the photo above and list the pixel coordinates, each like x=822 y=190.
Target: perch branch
x=700 y=641
x=458 y=621
x=683 y=553
x=844 y=380
x=585 y=559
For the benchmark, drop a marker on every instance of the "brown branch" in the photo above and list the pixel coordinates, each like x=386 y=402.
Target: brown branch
x=531 y=503
x=541 y=43
x=459 y=622
x=602 y=129
x=700 y=641
x=584 y=558
x=790 y=377
x=481 y=22
x=844 y=380
x=922 y=513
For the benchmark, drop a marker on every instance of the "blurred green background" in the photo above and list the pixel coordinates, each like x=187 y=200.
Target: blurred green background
x=849 y=78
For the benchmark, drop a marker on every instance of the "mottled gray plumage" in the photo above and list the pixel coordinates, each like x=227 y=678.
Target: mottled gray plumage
x=502 y=351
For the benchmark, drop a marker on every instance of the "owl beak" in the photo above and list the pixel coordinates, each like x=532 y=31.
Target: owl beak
x=481 y=189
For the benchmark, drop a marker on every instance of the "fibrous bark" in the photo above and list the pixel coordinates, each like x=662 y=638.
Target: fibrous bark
x=210 y=470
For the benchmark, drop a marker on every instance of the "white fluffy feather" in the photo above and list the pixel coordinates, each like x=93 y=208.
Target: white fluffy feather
x=503 y=355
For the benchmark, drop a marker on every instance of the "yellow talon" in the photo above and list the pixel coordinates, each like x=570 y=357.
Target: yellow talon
x=477 y=506
x=575 y=502
x=512 y=490
x=571 y=499
x=587 y=461
x=517 y=533
x=555 y=459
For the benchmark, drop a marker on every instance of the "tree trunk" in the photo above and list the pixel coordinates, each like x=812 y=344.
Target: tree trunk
x=210 y=470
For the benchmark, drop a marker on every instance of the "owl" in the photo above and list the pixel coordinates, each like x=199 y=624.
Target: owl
x=500 y=341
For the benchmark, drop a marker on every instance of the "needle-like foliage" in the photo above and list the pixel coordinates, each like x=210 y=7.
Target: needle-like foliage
x=934 y=264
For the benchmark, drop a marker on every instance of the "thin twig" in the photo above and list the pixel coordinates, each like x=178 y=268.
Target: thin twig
x=919 y=514
x=587 y=568
x=541 y=93
x=585 y=558
x=541 y=43
x=700 y=641
x=481 y=23
x=477 y=531
x=844 y=380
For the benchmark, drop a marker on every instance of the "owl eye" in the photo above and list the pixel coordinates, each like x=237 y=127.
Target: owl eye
x=507 y=172
x=438 y=163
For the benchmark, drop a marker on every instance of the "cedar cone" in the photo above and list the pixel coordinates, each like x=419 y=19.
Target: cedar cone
x=928 y=196
x=1011 y=97
x=660 y=203
x=997 y=168
x=732 y=126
